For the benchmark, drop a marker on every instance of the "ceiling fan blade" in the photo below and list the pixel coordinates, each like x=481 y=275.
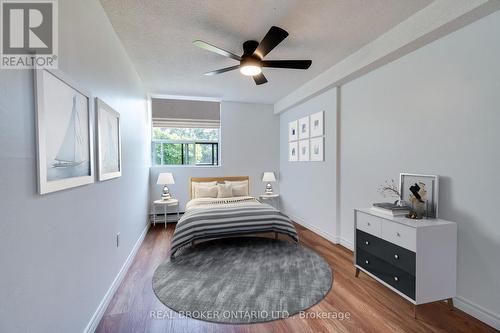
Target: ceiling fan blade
x=259 y=79
x=213 y=48
x=222 y=70
x=292 y=64
x=273 y=37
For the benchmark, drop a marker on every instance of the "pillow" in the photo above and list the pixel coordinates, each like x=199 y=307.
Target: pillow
x=196 y=184
x=243 y=183
x=239 y=190
x=206 y=191
x=224 y=190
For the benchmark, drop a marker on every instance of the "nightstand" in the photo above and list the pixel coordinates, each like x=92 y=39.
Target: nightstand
x=166 y=204
x=271 y=199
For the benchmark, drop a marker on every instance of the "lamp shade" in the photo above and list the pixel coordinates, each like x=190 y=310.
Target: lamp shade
x=268 y=177
x=165 y=178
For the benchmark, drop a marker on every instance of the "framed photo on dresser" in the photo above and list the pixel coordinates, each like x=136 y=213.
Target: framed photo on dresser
x=420 y=192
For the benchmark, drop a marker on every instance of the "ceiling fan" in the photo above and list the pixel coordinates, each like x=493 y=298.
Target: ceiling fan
x=251 y=61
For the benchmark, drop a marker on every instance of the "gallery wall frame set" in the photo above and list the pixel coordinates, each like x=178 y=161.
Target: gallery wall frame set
x=306 y=138
x=65 y=133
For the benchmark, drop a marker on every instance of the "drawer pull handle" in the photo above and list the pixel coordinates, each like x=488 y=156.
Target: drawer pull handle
x=396 y=278
x=398 y=234
x=396 y=256
x=367 y=242
x=367 y=262
x=369 y=224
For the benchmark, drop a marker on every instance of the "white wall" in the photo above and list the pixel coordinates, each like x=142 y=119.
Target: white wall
x=308 y=189
x=249 y=147
x=57 y=252
x=435 y=111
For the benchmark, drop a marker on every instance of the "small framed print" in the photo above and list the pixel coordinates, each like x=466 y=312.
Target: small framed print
x=293 y=151
x=292 y=131
x=108 y=141
x=304 y=128
x=317 y=124
x=304 y=150
x=317 y=149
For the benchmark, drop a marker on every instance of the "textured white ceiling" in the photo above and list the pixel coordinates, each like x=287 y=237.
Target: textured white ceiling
x=158 y=35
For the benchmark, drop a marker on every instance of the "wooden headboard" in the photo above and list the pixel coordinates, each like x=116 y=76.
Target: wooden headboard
x=216 y=179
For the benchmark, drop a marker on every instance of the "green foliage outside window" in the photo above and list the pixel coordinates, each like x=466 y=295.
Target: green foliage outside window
x=195 y=146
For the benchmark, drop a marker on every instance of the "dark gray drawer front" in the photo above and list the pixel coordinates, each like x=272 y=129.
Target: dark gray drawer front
x=391 y=253
x=392 y=275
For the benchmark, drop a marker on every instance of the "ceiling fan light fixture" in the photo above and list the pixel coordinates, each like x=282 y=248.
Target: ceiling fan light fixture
x=250 y=70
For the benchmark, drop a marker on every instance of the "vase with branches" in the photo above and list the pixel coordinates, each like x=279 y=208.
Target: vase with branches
x=390 y=189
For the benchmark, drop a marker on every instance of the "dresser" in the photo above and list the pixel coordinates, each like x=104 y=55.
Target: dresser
x=417 y=259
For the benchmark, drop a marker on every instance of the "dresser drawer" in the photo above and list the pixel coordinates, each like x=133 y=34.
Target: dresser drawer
x=369 y=243
x=399 y=234
x=393 y=254
x=388 y=273
x=368 y=223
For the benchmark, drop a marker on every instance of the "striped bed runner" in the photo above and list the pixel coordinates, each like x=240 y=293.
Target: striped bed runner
x=203 y=223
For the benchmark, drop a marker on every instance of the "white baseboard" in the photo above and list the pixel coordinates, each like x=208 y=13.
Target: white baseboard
x=97 y=316
x=347 y=244
x=325 y=234
x=477 y=311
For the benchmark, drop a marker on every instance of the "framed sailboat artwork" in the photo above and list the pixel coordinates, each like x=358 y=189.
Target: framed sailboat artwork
x=65 y=157
x=108 y=141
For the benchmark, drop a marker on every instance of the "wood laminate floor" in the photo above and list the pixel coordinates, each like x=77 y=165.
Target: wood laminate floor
x=371 y=306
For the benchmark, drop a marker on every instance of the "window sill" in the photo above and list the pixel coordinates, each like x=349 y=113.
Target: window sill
x=185 y=166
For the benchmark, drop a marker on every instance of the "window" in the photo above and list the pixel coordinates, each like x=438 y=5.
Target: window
x=185 y=145
x=185 y=132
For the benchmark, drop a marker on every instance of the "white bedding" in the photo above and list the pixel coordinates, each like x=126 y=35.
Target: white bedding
x=220 y=202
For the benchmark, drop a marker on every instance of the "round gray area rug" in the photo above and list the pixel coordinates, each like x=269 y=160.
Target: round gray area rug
x=242 y=280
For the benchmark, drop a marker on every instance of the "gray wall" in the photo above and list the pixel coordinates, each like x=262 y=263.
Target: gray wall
x=435 y=111
x=308 y=189
x=57 y=252
x=249 y=147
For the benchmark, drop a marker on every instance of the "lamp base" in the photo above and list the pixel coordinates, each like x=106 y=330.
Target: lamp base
x=166 y=194
x=269 y=189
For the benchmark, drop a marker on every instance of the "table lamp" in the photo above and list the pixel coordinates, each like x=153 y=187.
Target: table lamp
x=165 y=178
x=269 y=178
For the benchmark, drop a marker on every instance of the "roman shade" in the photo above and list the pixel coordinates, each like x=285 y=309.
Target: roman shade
x=185 y=114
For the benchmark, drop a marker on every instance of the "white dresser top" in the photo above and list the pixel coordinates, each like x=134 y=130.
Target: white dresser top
x=406 y=221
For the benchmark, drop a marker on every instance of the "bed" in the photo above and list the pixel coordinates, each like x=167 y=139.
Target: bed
x=208 y=217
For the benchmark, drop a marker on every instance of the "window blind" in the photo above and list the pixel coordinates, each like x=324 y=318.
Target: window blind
x=185 y=123
x=185 y=114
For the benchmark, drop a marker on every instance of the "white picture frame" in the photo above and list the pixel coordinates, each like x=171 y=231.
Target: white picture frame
x=317 y=147
x=292 y=131
x=304 y=150
x=317 y=124
x=293 y=151
x=428 y=186
x=109 y=155
x=304 y=128
x=64 y=132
